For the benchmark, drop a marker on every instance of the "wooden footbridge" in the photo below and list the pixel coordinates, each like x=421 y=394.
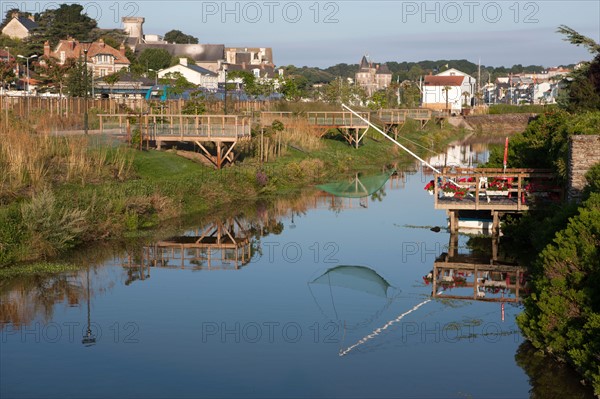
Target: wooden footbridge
x=351 y=126
x=495 y=190
x=215 y=135
x=392 y=120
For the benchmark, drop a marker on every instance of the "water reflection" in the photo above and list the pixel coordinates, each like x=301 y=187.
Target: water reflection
x=220 y=244
x=351 y=296
x=376 y=313
x=550 y=379
x=462 y=155
x=481 y=274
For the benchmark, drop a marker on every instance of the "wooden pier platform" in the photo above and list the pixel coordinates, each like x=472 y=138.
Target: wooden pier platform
x=492 y=189
x=223 y=131
x=352 y=127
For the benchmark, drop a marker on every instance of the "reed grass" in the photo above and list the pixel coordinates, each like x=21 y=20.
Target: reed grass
x=31 y=161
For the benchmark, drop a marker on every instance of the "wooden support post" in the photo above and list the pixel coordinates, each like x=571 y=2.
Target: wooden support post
x=495 y=223
x=453 y=247
x=517 y=284
x=475 y=282
x=495 y=245
x=219 y=159
x=434 y=281
x=453 y=217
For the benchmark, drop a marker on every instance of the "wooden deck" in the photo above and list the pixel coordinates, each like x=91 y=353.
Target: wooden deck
x=352 y=127
x=224 y=131
x=392 y=120
x=494 y=190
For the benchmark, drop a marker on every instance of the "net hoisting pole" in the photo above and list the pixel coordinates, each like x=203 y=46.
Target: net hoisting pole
x=391 y=139
x=397 y=143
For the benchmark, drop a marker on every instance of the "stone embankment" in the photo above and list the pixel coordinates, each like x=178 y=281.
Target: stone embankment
x=503 y=124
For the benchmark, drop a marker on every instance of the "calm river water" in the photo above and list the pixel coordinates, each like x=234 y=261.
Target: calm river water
x=308 y=297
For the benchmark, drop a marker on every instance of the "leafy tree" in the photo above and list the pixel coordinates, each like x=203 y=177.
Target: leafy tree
x=410 y=95
x=379 y=100
x=177 y=36
x=415 y=73
x=294 y=88
x=153 y=58
x=76 y=80
x=341 y=91
x=7 y=74
x=583 y=87
x=177 y=83
x=55 y=73
x=67 y=20
x=252 y=86
x=113 y=78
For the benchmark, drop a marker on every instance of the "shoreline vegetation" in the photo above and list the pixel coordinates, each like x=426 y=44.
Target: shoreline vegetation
x=560 y=245
x=75 y=190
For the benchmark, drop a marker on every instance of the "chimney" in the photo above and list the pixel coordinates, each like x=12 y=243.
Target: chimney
x=183 y=61
x=31 y=17
x=244 y=66
x=46 y=49
x=122 y=49
x=15 y=14
x=101 y=42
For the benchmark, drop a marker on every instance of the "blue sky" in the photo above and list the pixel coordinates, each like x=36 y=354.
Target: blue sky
x=324 y=33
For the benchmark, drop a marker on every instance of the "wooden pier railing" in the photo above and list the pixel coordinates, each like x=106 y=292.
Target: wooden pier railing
x=179 y=127
x=493 y=189
x=337 y=119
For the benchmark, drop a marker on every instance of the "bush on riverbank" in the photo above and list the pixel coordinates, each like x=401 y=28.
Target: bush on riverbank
x=562 y=315
x=545 y=141
x=560 y=243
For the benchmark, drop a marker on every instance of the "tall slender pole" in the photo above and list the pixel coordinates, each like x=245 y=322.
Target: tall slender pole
x=85 y=114
x=397 y=143
x=225 y=93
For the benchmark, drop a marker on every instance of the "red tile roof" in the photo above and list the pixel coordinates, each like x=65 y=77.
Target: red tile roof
x=431 y=80
x=74 y=49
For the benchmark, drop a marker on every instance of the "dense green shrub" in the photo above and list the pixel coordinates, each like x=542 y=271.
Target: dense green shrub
x=562 y=316
x=545 y=141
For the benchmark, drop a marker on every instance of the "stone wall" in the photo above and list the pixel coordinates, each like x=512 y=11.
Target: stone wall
x=502 y=124
x=584 y=152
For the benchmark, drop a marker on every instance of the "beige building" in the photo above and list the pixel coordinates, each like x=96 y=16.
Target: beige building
x=102 y=59
x=373 y=77
x=19 y=27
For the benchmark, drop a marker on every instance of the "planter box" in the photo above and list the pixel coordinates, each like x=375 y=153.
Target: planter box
x=448 y=194
x=491 y=193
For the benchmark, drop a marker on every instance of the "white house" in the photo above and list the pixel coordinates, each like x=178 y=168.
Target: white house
x=452 y=89
x=469 y=84
x=443 y=93
x=193 y=73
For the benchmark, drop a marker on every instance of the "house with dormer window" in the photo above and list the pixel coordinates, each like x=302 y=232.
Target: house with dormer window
x=102 y=59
